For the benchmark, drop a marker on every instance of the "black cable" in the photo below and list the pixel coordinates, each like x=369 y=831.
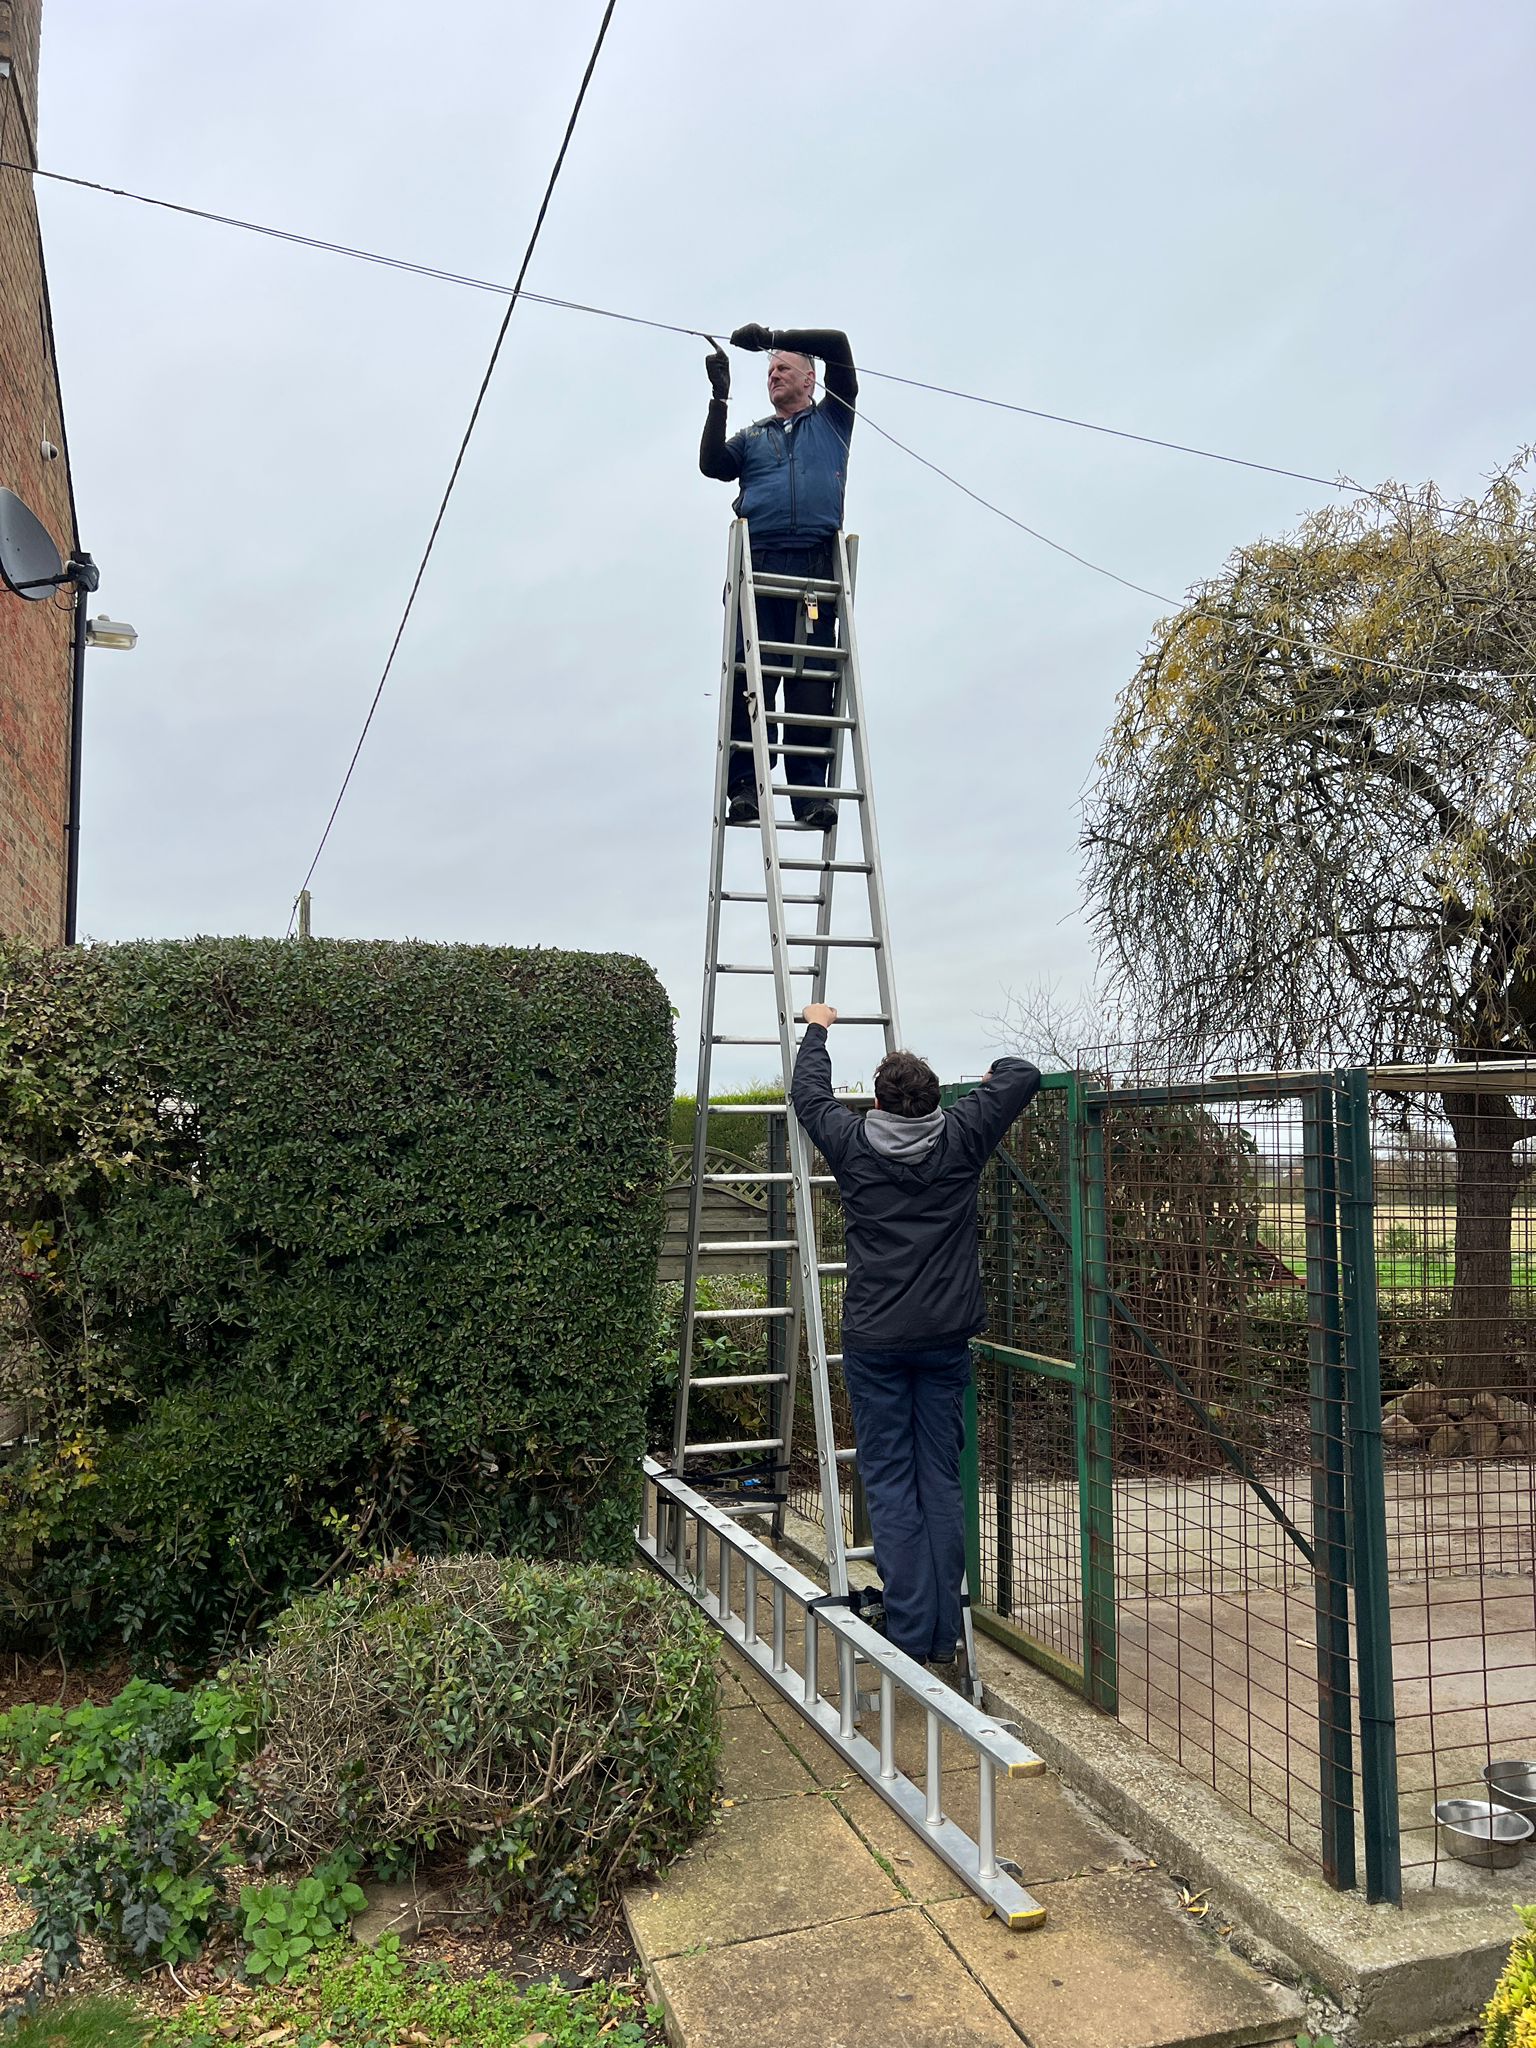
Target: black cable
x=481 y=284
x=886 y=376
x=1316 y=647
x=458 y=460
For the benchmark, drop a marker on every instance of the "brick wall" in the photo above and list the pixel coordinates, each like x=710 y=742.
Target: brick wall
x=35 y=639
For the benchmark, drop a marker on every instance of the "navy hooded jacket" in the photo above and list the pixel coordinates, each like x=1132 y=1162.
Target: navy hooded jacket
x=914 y=1259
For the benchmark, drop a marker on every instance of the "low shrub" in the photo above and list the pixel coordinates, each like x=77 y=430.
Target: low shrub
x=1509 y=2018
x=119 y=1834
x=559 y=1725
x=284 y=1923
x=192 y=1740
x=146 y=1884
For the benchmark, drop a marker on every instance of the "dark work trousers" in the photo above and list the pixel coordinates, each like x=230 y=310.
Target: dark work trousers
x=909 y=1427
x=776 y=620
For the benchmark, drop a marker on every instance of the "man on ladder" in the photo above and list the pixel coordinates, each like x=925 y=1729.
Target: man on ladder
x=793 y=468
x=908 y=1174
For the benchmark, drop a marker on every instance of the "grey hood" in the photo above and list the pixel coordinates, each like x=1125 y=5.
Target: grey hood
x=903 y=1139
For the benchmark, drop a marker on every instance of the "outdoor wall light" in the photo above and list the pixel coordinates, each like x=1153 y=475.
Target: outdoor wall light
x=105 y=632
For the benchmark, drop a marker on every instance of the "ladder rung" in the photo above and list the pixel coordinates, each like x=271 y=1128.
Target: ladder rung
x=810 y=650
x=858 y=1552
x=748 y=1108
x=724 y=1038
x=845 y=1457
x=834 y=719
x=783 y=747
x=736 y=1315
x=818 y=1180
x=746 y=1443
x=723 y=1245
x=743 y=1379
x=772 y=672
x=775 y=579
x=760 y=896
x=827 y=867
x=842 y=1019
x=832 y=1266
x=851 y=796
x=745 y=1507
x=824 y=939
x=736 y=967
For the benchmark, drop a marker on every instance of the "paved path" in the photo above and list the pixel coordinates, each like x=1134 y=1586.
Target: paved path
x=811 y=1917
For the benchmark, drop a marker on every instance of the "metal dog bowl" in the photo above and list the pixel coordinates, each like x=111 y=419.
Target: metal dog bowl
x=1511 y=1782
x=1477 y=1832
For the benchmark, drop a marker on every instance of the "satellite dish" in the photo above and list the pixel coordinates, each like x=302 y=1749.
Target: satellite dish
x=30 y=564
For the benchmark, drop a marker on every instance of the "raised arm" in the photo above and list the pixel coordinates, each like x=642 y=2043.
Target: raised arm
x=828 y=1123
x=839 y=380
x=717 y=456
x=980 y=1118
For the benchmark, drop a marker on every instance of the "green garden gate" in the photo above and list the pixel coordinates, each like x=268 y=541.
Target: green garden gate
x=1174 y=1456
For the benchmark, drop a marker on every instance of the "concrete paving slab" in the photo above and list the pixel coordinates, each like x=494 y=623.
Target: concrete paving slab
x=1039 y=1826
x=740 y=1682
x=755 y=1760
x=1117 y=1965
x=1409 y=1975
x=769 y=1866
x=884 y=1982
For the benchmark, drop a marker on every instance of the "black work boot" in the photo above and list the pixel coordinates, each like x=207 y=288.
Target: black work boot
x=821 y=815
x=743 y=810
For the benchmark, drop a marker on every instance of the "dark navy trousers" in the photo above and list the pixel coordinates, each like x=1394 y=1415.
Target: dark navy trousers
x=909 y=1427
x=810 y=691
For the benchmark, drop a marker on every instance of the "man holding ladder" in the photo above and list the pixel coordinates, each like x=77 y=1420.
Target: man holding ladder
x=908 y=1174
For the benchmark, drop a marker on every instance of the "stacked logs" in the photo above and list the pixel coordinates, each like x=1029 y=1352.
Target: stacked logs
x=1450 y=1425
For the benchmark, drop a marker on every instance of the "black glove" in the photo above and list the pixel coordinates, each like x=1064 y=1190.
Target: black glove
x=752 y=336
x=717 y=367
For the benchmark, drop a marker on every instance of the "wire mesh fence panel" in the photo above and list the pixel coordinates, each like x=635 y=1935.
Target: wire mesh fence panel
x=1229 y=1451
x=1455 y=1242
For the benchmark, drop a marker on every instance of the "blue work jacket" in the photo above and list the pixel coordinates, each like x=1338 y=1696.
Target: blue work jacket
x=792 y=479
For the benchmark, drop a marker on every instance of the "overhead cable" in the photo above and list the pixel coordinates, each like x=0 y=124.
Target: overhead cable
x=482 y=284
x=458 y=460
x=1321 y=648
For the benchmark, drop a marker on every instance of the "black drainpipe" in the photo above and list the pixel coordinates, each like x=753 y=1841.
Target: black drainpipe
x=72 y=828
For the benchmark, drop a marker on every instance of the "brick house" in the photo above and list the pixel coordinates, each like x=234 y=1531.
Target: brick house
x=37 y=640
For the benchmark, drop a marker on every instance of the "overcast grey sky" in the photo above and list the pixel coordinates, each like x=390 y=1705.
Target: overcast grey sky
x=1294 y=231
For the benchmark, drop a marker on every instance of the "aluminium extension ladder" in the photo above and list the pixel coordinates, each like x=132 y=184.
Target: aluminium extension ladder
x=717 y=1481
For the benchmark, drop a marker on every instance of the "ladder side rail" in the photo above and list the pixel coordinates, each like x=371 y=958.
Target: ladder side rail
x=773 y=896
x=821 y=1386
x=752 y=683
x=670 y=1511
x=840 y=707
x=805 y=1294
x=853 y=695
x=707 y=1001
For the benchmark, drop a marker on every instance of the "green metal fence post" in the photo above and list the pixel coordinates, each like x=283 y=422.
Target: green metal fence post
x=1093 y=1405
x=1367 y=1498
x=1330 y=1521
x=1003 y=1449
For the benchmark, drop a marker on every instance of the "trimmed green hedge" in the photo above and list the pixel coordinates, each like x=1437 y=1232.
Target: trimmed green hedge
x=310 y=1251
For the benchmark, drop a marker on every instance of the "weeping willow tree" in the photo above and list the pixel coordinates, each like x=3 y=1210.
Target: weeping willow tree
x=1314 y=826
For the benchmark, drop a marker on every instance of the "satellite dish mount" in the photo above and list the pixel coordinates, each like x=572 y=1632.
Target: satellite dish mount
x=31 y=567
